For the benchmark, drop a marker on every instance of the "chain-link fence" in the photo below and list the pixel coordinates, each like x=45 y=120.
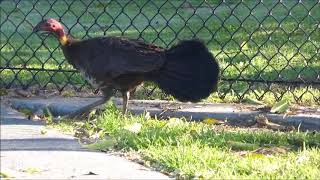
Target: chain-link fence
x=266 y=49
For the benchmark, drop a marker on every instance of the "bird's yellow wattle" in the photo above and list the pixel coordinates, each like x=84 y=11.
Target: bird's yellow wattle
x=63 y=40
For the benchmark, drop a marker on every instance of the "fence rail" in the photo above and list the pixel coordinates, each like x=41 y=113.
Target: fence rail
x=266 y=49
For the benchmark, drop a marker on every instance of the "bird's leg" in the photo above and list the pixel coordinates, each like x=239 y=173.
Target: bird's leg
x=86 y=108
x=125 y=97
x=108 y=93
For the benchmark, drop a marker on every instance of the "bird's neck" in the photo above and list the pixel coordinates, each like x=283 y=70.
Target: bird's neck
x=64 y=38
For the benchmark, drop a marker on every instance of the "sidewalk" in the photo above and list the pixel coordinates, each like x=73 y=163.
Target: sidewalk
x=305 y=118
x=26 y=153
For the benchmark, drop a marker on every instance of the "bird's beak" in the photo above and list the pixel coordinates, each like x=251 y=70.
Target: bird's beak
x=37 y=28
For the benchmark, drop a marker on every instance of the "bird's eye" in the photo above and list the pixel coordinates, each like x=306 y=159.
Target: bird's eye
x=53 y=26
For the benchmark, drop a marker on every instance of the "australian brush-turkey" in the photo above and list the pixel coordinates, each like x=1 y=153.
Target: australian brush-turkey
x=187 y=71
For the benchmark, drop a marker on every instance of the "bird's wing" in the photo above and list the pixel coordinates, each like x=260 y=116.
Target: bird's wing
x=124 y=56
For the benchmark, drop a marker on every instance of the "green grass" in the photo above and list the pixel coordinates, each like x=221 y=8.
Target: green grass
x=189 y=149
x=278 y=47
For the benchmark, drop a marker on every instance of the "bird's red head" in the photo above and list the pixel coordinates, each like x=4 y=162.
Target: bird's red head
x=52 y=26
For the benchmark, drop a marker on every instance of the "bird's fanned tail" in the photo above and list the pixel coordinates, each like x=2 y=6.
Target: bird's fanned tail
x=190 y=74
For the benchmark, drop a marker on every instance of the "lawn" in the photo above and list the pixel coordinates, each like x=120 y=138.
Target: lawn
x=185 y=149
x=265 y=45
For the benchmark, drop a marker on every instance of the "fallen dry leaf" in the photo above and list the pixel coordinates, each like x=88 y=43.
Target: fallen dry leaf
x=263 y=122
x=101 y=145
x=43 y=131
x=31 y=170
x=272 y=150
x=91 y=173
x=242 y=146
x=212 y=121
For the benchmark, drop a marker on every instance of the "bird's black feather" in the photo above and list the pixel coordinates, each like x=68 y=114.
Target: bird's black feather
x=187 y=71
x=190 y=72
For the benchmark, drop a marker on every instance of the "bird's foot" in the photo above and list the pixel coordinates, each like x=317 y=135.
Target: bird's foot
x=79 y=115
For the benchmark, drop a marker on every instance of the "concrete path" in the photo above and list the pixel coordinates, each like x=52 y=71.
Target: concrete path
x=303 y=117
x=26 y=153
